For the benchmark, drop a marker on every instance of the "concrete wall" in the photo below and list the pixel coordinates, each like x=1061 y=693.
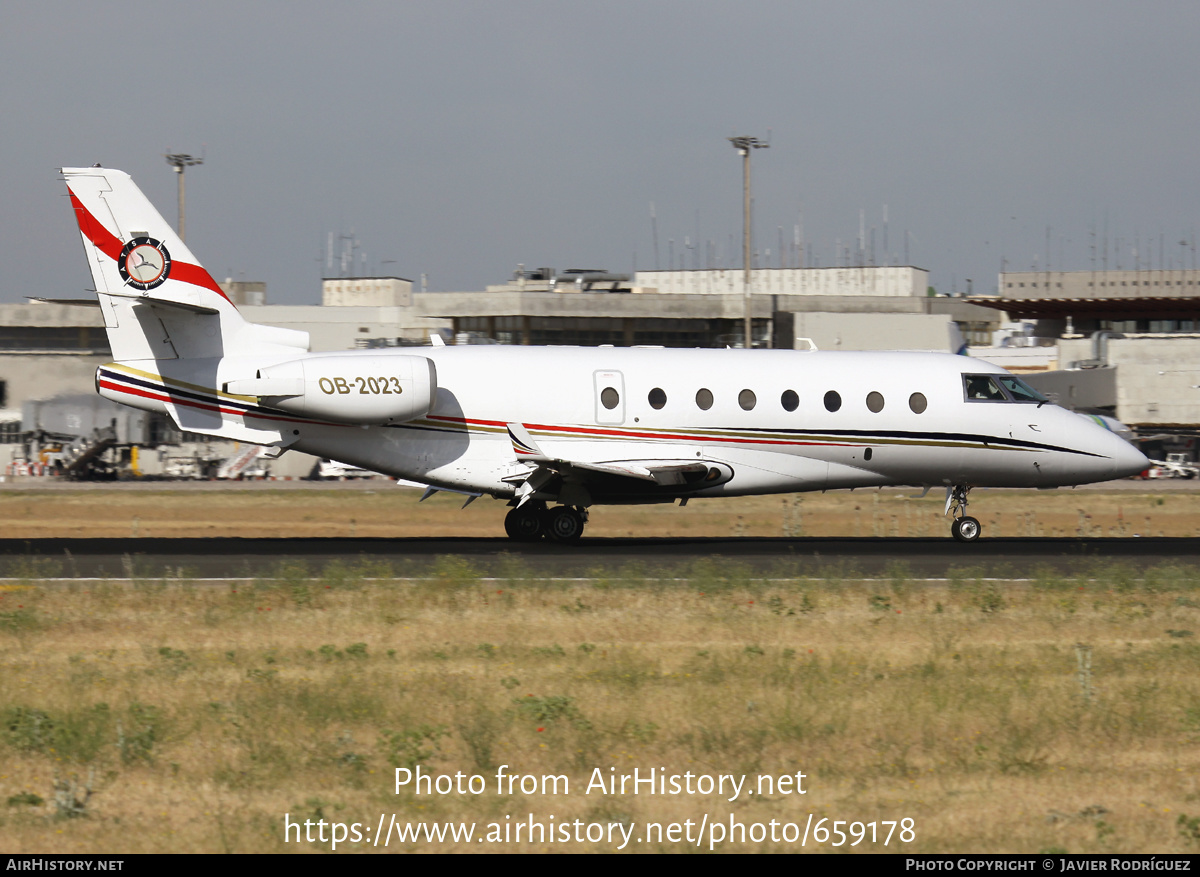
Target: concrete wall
x=1158 y=377
x=1019 y=359
x=1077 y=388
x=877 y=331
x=244 y=292
x=37 y=376
x=50 y=315
x=345 y=328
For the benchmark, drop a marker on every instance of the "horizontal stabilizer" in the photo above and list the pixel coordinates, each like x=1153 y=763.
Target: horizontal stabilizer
x=71 y=302
x=185 y=301
x=211 y=423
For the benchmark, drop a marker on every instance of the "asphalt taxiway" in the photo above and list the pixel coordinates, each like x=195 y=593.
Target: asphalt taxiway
x=921 y=557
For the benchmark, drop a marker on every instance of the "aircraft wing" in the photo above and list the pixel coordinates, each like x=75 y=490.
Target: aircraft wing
x=663 y=472
x=611 y=477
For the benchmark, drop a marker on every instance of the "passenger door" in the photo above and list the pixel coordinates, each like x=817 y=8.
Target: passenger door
x=610 y=397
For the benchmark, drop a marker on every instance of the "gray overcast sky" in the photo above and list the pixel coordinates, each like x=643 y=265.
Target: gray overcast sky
x=460 y=138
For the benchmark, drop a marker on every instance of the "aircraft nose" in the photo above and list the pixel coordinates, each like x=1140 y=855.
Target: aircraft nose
x=1128 y=460
x=1113 y=456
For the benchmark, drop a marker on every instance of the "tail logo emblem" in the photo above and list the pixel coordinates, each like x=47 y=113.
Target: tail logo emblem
x=144 y=263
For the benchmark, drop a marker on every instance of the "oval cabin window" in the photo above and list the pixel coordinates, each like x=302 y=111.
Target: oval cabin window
x=609 y=398
x=704 y=399
x=789 y=400
x=747 y=400
x=657 y=398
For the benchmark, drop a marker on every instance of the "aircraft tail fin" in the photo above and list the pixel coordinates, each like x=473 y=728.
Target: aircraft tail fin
x=158 y=301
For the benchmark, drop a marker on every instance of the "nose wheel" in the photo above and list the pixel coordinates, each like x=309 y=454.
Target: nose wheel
x=964 y=528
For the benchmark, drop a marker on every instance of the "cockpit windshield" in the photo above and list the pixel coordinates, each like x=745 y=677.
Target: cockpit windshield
x=1021 y=391
x=999 y=388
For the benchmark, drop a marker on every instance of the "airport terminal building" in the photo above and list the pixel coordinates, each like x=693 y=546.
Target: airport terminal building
x=1128 y=341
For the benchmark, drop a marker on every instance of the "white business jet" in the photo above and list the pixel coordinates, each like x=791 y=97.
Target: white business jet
x=556 y=430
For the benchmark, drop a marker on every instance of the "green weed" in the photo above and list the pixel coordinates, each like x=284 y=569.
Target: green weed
x=412 y=746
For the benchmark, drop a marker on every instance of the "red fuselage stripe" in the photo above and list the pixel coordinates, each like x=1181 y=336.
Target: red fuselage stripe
x=623 y=433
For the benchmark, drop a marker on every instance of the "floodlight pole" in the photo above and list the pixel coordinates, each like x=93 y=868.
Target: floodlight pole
x=743 y=145
x=180 y=161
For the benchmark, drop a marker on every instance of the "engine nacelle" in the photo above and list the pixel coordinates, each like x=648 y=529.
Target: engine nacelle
x=354 y=388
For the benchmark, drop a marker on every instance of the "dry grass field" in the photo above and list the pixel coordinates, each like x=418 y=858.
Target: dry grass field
x=1060 y=714
x=382 y=510
x=1056 y=714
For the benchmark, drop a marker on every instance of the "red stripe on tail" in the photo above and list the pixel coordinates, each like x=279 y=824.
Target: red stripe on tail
x=111 y=246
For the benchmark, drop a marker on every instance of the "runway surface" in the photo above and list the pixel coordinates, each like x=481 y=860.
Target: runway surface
x=934 y=557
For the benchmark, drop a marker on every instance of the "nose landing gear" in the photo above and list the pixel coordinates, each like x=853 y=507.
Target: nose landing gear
x=964 y=528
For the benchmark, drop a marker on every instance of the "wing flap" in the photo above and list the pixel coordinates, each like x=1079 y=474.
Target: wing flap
x=638 y=476
x=666 y=473
x=662 y=473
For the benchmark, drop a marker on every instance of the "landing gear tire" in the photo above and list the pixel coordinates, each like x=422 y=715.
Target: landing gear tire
x=524 y=524
x=564 y=525
x=965 y=529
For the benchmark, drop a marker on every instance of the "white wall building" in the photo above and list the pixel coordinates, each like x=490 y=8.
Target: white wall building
x=375 y=292
x=890 y=282
x=890 y=331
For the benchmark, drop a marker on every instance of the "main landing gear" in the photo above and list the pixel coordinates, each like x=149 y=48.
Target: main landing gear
x=530 y=522
x=965 y=528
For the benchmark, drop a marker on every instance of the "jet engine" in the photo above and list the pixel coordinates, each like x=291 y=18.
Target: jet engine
x=366 y=388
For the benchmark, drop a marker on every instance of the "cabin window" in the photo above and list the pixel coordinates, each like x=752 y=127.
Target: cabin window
x=704 y=399
x=609 y=398
x=832 y=401
x=867 y=455
x=747 y=400
x=875 y=401
x=789 y=400
x=657 y=398
x=918 y=403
